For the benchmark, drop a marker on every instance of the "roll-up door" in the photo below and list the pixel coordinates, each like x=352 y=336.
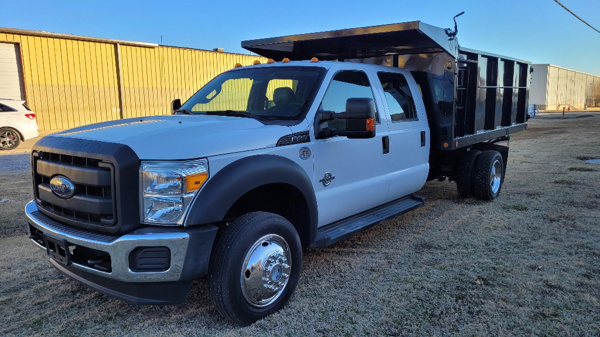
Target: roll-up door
x=10 y=72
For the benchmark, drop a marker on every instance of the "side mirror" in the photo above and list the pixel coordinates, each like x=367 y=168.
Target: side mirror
x=175 y=105
x=359 y=118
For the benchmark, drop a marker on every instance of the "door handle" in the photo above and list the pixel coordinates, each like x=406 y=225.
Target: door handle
x=386 y=144
x=423 y=141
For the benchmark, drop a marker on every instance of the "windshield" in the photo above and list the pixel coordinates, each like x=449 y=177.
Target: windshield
x=269 y=93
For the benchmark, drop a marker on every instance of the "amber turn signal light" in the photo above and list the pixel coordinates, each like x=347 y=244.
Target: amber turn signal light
x=370 y=124
x=195 y=181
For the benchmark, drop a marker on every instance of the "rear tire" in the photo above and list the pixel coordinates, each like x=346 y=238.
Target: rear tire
x=254 y=267
x=489 y=175
x=9 y=139
x=466 y=175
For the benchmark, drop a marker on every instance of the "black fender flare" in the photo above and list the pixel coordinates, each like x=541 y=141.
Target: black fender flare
x=244 y=175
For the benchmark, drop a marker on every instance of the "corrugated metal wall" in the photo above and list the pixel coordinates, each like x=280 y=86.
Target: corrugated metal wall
x=554 y=87
x=152 y=78
x=592 y=89
x=72 y=82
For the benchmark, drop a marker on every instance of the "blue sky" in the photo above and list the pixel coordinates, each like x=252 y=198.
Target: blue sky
x=539 y=31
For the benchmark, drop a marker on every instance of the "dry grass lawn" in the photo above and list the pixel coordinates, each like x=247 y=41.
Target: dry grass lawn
x=525 y=264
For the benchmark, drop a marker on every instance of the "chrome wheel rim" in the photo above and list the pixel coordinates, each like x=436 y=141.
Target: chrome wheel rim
x=7 y=139
x=496 y=176
x=266 y=270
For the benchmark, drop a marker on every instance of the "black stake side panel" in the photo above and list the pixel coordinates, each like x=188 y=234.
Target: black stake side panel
x=469 y=95
x=497 y=94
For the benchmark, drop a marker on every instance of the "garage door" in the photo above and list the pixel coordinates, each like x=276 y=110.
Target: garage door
x=10 y=74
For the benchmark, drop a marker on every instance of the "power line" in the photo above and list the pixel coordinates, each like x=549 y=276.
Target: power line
x=575 y=15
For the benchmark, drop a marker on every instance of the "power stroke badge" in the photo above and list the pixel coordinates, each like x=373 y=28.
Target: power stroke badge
x=327 y=178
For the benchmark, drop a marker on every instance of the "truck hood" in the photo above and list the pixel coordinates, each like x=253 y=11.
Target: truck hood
x=183 y=136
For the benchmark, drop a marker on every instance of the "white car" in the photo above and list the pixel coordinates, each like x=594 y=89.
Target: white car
x=17 y=123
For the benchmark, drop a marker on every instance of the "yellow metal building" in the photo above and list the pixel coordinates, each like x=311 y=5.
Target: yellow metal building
x=71 y=80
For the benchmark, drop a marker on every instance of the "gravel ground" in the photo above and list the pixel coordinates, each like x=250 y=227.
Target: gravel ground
x=525 y=264
x=14 y=162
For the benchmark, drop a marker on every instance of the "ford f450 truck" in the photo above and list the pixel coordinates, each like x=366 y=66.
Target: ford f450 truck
x=268 y=159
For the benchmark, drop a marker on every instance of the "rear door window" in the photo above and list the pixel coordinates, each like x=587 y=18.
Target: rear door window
x=398 y=97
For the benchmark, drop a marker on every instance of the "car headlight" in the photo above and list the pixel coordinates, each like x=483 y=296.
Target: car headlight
x=167 y=188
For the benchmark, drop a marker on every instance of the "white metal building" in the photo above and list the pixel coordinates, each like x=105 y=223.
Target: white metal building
x=553 y=88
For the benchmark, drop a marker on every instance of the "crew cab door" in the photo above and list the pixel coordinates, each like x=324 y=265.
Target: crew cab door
x=350 y=175
x=408 y=132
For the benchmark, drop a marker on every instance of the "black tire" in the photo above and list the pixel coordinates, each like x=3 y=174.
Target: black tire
x=489 y=175
x=466 y=173
x=9 y=138
x=237 y=287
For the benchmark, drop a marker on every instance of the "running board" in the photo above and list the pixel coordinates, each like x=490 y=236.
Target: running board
x=342 y=229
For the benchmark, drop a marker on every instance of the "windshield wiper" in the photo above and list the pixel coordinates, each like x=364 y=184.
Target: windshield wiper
x=233 y=113
x=185 y=111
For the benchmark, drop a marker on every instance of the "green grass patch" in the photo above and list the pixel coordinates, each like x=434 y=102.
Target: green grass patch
x=515 y=207
x=582 y=169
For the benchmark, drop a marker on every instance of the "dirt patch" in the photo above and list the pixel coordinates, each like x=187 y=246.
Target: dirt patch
x=525 y=264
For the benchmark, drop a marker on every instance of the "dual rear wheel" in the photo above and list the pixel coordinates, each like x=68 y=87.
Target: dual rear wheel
x=480 y=174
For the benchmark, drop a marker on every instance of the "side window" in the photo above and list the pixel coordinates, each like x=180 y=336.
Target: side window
x=346 y=84
x=398 y=97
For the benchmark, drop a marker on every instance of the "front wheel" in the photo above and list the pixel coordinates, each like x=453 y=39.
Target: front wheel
x=489 y=175
x=255 y=267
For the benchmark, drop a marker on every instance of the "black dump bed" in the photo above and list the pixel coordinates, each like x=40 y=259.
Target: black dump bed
x=470 y=96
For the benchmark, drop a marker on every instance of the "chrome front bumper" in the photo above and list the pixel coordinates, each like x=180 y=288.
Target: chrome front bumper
x=117 y=247
x=189 y=255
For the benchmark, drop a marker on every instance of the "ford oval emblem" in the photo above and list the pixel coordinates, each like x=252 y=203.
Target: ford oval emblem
x=62 y=187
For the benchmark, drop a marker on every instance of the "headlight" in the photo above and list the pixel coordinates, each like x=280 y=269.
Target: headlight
x=167 y=188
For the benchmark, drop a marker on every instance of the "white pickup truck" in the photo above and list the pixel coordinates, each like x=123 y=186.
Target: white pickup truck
x=266 y=160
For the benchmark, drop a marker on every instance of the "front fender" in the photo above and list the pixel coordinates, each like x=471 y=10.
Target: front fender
x=242 y=176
